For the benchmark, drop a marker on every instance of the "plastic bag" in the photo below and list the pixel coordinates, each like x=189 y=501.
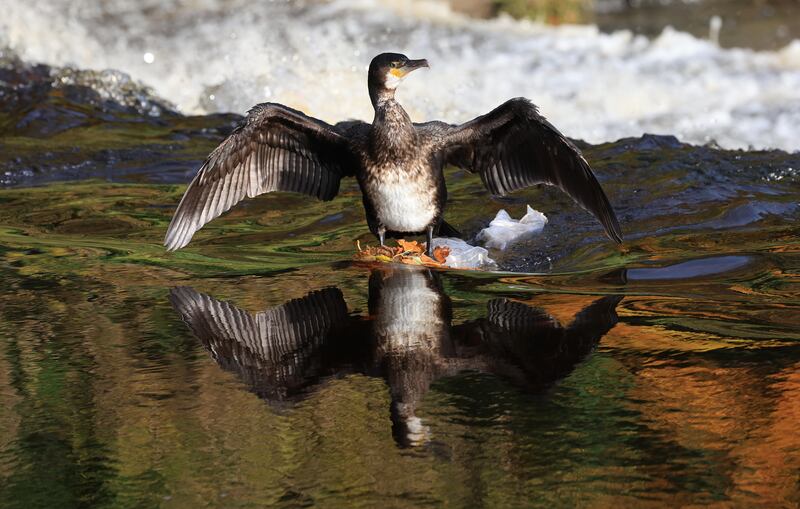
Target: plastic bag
x=463 y=255
x=504 y=230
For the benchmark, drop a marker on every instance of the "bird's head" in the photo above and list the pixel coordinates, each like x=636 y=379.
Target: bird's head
x=387 y=70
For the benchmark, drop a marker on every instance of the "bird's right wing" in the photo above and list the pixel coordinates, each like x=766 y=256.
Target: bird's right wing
x=276 y=149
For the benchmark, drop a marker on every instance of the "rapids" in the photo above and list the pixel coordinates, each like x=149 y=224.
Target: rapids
x=226 y=55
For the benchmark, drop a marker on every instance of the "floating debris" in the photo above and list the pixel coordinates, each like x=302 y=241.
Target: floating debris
x=464 y=255
x=406 y=252
x=505 y=230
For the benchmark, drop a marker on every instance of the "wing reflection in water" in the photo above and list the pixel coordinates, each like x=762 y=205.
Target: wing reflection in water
x=277 y=352
x=407 y=339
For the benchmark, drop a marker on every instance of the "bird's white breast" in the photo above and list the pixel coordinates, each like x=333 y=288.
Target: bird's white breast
x=404 y=202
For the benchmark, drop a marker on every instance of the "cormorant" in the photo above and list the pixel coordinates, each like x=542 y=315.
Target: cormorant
x=399 y=164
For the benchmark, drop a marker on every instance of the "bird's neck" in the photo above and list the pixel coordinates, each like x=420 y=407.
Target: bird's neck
x=392 y=130
x=380 y=94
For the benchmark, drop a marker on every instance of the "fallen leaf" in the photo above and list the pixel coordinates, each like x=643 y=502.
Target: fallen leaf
x=440 y=253
x=411 y=246
x=406 y=252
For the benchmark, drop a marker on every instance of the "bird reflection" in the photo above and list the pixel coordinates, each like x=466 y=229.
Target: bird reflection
x=407 y=339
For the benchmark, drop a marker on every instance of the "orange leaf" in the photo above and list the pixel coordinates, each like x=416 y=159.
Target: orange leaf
x=440 y=253
x=427 y=260
x=410 y=246
x=407 y=253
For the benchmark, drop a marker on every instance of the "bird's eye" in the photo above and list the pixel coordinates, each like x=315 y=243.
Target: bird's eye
x=395 y=65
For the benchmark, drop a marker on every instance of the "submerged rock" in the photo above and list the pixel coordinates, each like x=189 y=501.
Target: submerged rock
x=59 y=123
x=64 y=97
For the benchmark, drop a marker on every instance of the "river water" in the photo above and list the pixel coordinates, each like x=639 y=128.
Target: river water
x=662 y=372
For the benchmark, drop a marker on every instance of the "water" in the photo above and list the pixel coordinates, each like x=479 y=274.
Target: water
x=261 y=367
x=580 y=389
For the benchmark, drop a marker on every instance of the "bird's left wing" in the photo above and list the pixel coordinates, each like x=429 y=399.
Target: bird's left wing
x=276 y=149
x=513 y=147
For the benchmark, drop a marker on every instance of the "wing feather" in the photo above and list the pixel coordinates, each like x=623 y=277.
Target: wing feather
x=514 y=147
x=276 y=149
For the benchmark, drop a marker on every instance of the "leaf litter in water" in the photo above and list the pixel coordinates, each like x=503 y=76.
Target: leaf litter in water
x=406 y=252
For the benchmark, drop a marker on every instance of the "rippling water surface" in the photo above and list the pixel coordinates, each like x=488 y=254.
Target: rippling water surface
x=259 y=366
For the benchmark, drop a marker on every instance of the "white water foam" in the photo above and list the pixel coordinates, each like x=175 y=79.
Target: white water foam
x=226 y=55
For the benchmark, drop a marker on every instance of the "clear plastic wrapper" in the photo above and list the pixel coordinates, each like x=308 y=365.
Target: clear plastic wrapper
x=465 y=256
x=505 y=230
